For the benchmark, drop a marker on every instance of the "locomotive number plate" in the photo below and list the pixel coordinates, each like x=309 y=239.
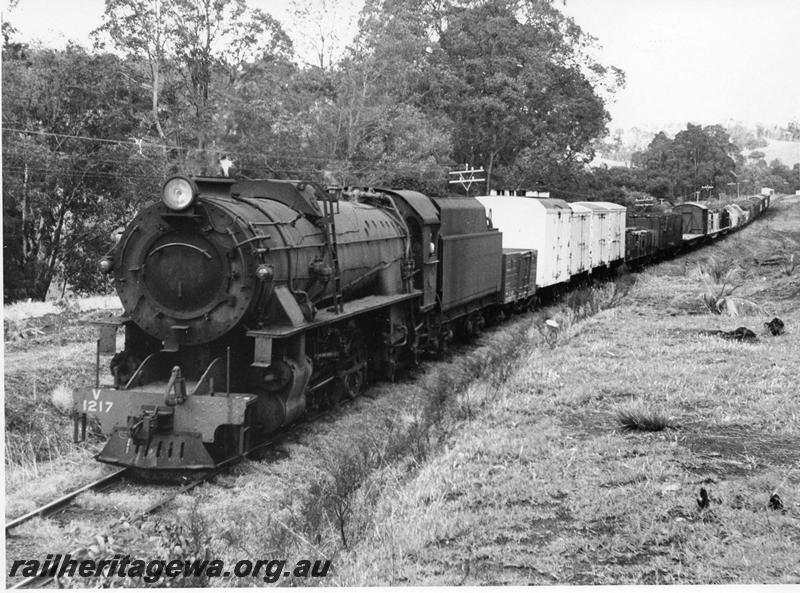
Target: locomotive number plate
x=96 y=404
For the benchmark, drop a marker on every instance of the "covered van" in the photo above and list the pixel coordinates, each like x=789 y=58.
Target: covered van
x=542 y=224
x=580 y=260
x=607 y=237
x=695 y=217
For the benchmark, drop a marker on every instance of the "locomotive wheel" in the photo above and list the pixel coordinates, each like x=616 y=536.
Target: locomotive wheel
x=354 y=382
x=334 y=394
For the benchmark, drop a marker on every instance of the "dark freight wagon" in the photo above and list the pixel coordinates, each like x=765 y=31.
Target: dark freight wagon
x=695 y=218
x=667 y=228
x=638 y=245
x=519 y=275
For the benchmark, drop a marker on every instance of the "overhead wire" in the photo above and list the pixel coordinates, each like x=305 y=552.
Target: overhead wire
x=170 y=147
x=141 y=144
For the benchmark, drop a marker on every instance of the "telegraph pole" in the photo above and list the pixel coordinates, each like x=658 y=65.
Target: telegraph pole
x=467 y=176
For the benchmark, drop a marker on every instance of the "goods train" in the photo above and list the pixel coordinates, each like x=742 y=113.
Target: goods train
x=247 y=303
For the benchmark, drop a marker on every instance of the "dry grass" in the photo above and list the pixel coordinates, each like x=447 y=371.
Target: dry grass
x=542 y=487
x=39 y=338
x=638 y=417
x=30 y=486
x=28 y=309
x=62 y=398
x=37 y=384
x=507 y=465
x=321 y=499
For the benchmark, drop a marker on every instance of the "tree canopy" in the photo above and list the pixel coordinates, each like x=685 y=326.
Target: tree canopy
x=698 y=159
x=175 y=85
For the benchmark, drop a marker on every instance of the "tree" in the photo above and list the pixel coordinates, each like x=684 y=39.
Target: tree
x=319 y=29
x=517 y=87
x=696 y=157
x=197 y=52
x=793 y=130
x=140 y=29
x=214 y=42
x=362 y=121
x=775 y=175
x=509 y=78
x=744 y=137
x=62 y=188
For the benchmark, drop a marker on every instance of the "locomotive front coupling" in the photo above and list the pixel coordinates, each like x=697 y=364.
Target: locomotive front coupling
x=164 y=429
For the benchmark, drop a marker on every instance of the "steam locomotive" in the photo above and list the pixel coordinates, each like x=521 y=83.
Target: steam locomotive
x=246 y=303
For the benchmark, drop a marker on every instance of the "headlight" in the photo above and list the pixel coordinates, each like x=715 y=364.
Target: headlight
x=179 y=193
x=106 y=265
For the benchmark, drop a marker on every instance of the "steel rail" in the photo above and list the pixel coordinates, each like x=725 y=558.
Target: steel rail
x=34 y=582
x=40 y=581
x=53 y=506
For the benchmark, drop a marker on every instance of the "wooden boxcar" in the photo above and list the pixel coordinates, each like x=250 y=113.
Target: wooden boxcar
x=695 y=218
x=667 y=228
x=639 y=245
x=519 y=275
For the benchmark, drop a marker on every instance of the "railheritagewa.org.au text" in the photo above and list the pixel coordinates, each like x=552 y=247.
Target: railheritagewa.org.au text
x=150 y=571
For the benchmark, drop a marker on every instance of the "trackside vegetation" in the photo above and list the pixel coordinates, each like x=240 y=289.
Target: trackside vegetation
x=546 y=485
x=568 y=446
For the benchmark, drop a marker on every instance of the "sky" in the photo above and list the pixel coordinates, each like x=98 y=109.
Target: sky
x=699 y=61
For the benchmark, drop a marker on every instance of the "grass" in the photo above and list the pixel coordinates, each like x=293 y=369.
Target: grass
x=31 y=309
x=788 y=152
x=544 y=487
x=320 y=499
x=53 y=354
x=37 y=405
x=642 y=418
x=508 y=464
x=721 y=278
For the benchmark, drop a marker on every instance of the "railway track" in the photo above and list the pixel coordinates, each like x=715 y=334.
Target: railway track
x=106 y=482
x=37 y=582
x=60 y=503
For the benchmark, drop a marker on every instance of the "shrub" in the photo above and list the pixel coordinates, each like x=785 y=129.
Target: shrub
x=721 y=278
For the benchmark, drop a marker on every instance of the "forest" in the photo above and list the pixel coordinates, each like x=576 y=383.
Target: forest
x=426 y=86
x=175 y=86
